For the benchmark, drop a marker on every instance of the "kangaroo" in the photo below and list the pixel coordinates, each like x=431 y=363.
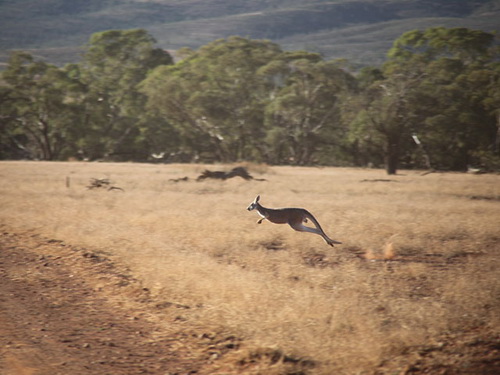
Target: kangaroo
x=295 y=217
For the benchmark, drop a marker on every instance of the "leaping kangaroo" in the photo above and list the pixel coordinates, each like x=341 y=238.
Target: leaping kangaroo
x=295 y=217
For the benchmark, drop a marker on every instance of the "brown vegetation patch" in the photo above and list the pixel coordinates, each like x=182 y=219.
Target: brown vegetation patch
x=378 y=180
x=319 y=260
x=254 y=360
x=273 y=245
x=485 y=198
x=221 y=175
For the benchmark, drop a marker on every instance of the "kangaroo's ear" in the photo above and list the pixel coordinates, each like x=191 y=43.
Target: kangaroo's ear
x=257 y=199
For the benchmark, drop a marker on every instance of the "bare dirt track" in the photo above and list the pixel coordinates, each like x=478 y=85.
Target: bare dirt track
x=60 y=314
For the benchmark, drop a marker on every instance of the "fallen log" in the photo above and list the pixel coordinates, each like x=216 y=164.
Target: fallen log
x=221 y=175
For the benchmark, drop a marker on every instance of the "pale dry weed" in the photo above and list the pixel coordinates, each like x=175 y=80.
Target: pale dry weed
x=194 y=243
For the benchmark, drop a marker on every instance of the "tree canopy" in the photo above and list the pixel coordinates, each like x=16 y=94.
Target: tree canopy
x=435 y=103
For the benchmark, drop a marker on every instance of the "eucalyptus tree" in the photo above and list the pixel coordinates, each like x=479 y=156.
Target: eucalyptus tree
x=304 y=114
x=435 y=85
x=40 y=111
x=387 y=120
x=491 y=157
x=457 y=79
x=215 y=98
x=360 y=144
x=114 y=63
x=11 y=140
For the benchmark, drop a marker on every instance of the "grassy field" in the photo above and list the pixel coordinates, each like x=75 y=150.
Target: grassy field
x=416 y=275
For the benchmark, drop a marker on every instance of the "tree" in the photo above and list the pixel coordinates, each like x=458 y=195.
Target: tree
x=304 y=114
x=387 y=121
x=435 y=84
x=41 y=115
x=11 y=140
x=490 y=157
x=456 y=70
x=215 y=98
x=464 y=44
x=114 y=63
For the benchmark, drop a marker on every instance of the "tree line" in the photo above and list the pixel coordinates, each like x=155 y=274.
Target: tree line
x=435 y=103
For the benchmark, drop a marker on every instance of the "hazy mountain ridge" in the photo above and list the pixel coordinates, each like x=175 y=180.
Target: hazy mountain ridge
x=53 y=28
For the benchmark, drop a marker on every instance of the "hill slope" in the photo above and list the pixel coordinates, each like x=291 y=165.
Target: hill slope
x=360 y=30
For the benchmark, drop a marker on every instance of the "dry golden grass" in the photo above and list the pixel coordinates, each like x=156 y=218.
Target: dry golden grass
x=419 y=259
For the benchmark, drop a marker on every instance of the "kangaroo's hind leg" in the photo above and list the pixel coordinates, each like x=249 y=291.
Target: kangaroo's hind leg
x=298 y=226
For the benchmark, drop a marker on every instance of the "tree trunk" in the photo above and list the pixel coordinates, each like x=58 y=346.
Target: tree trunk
x=392 y=157
x=45 y=141
x=496 y=147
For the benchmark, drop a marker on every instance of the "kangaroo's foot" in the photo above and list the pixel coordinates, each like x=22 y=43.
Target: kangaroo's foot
x=331 y=242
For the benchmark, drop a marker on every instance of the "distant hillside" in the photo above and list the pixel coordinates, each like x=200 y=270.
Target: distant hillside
x=359 y=30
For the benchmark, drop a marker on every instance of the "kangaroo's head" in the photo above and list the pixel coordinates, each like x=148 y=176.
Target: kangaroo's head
x=254 y=204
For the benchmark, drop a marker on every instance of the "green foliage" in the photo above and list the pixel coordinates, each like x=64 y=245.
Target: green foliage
x=115 y=63
x=435 y=103
x=307 y=108
x=40 y=112
x=215 y=98
x=438 y=42
x=438 y=83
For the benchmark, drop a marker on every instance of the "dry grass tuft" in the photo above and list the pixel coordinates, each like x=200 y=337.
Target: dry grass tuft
x=321 y=310
x=389 y=252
